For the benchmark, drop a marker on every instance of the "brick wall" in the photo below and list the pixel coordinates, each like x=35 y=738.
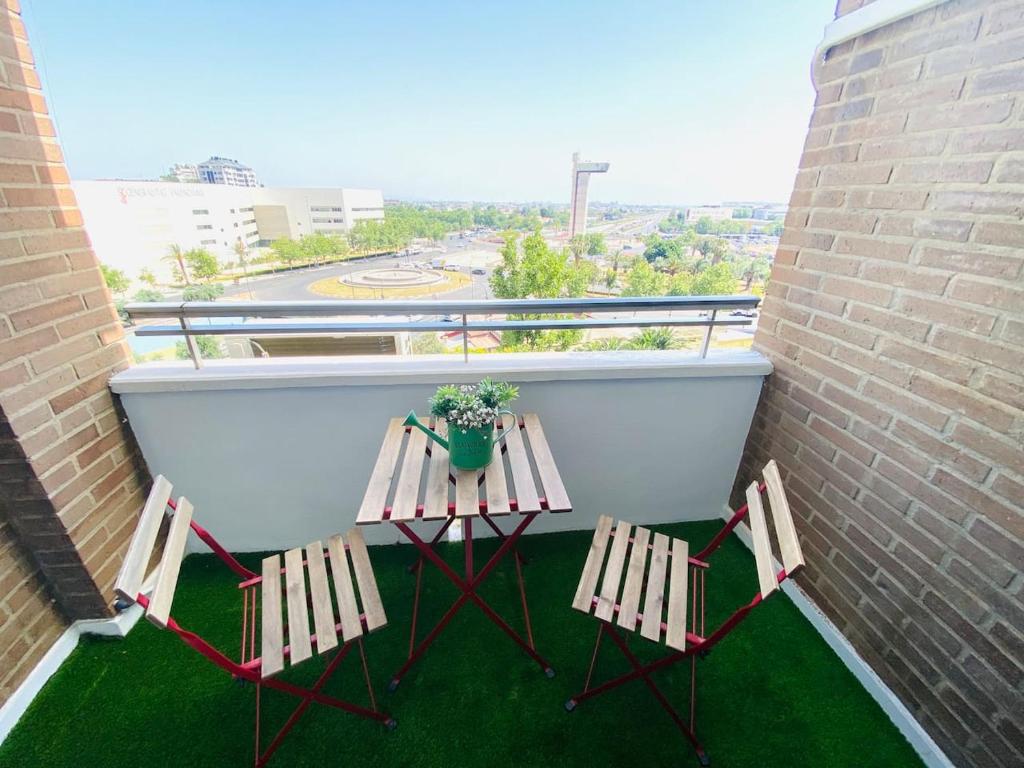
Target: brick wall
x=70 y=476
x=895 y=320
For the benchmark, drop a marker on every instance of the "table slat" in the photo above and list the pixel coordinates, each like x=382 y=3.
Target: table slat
x=372 y=606
x=613 y=572
x=554 y=490
x=272 y=631
x=376 y=497
x=496 y=485
x=348 y=610
x=408 y=488
x=592 y=568
x=675 y=635
x=654 y=600
x=298 y=616
x=630 y=602
x=435 y=504
x=467 y=493
x=522 y=475
x=320 y=596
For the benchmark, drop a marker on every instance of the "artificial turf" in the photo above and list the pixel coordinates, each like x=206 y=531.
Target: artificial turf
x=771 y=694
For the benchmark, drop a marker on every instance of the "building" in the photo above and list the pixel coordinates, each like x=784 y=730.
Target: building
x=184 y=173
x=224 y=170
x=133 y=223
x=770 y=212
x=580 y=179
x=713 y=212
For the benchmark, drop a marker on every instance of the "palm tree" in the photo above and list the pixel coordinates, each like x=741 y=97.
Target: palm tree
x=176 y=256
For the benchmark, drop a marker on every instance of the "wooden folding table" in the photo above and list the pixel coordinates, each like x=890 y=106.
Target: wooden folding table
x=413 y=482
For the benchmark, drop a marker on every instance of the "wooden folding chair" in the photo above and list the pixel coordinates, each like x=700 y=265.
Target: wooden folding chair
x=332 y=614
x=625 y=581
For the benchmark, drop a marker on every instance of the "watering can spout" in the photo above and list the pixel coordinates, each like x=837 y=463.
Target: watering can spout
x=412 y=421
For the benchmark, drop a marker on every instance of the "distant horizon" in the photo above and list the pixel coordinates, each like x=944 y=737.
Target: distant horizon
x=686 y=100
x=728 y=203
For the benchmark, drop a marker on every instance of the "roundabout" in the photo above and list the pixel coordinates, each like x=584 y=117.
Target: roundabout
x=393 y=277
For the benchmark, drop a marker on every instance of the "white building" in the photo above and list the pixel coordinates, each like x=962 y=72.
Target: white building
x=713 y=212
x=224 y=170
x=185 y=173
x=132 y=224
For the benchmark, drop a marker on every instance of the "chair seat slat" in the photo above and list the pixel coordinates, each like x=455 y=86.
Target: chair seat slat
x=373 y=608
x=613 y=572
x=133 y=569
x=630 y=602
x=789 y=544
x=298 y=612
x=348 y=611
x=675 y=634
x=320 y=597
x=159 y=609
x=592 y=568
x=654 y=599
x=762 y=544
x=272 y=631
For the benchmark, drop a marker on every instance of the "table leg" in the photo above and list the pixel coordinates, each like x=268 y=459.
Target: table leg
x=469 y=585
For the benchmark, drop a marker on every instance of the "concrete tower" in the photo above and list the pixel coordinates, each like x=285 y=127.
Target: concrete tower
x=578 y=207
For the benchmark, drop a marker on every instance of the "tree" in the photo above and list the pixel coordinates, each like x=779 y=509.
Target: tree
x=209 y=348
x=717 y=280
x=146 y=275
x=532 y=269
x=116 y=280
x=643 y=280
x=660 y=248
x=148 y=294
x=596 y=245
x=320 y=246
x=681 y=284
x=754 y=269
x=202 y=263
x=205 y=292
x=176 y=257
x=655 y=338
x=611 y=279
x=287 y=250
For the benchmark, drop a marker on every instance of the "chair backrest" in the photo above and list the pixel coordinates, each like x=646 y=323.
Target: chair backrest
x=133 y=575
x=789 y=544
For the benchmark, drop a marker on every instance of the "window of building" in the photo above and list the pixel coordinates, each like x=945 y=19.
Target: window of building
x=200 y=211
x=207 y=242
x=204 y=226
x=368 y=209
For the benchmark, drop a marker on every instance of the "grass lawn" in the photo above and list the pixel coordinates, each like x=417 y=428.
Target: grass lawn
x=332 y=288
x=771 y=694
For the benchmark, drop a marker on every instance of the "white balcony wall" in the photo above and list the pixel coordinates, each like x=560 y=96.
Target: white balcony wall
x=276 y=453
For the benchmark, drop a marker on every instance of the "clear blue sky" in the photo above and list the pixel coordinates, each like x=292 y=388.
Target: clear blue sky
x=690 y=100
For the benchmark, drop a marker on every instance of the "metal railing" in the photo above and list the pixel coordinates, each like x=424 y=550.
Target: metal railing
x=436 y=316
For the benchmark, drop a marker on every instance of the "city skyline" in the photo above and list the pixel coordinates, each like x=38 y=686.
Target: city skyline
x=690 y=103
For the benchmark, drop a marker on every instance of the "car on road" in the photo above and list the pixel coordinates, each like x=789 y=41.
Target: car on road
x=744 y=313
x=452 y=268
x=479 y=271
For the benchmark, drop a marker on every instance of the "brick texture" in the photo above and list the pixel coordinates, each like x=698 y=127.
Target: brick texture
x=71 y=479
x=895 y=320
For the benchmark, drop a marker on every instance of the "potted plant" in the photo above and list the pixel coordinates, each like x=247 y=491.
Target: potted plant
x=470 y=411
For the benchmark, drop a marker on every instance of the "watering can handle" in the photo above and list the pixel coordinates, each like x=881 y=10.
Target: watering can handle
x=515 y=423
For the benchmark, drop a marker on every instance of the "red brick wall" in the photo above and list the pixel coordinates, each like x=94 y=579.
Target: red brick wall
x=70 y=475
x=895 y=320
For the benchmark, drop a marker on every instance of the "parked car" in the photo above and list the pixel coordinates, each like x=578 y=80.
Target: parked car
x=479 y=271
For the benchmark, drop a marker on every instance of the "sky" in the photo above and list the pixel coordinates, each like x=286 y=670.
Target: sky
x=691 y=101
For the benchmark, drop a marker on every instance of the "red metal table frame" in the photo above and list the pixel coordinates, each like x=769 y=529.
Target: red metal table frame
x=505 y=491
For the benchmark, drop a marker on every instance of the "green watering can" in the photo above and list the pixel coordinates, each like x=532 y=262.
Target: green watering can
x=471 y=448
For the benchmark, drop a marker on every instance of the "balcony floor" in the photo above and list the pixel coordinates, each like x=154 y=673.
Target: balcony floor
x=771 y=694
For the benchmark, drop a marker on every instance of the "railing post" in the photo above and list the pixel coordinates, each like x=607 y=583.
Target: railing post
x=707 y=334
x=465 y=340
x=190 y=342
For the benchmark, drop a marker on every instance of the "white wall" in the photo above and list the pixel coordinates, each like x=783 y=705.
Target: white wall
x=277 y=453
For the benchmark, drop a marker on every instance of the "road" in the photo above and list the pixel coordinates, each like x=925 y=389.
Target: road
x=294 y=285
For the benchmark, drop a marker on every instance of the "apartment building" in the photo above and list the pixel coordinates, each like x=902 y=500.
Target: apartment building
x=224 y=170
x=133 y=223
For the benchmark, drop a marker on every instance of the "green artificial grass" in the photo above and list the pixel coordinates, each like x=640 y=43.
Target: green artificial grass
x=771 y=694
